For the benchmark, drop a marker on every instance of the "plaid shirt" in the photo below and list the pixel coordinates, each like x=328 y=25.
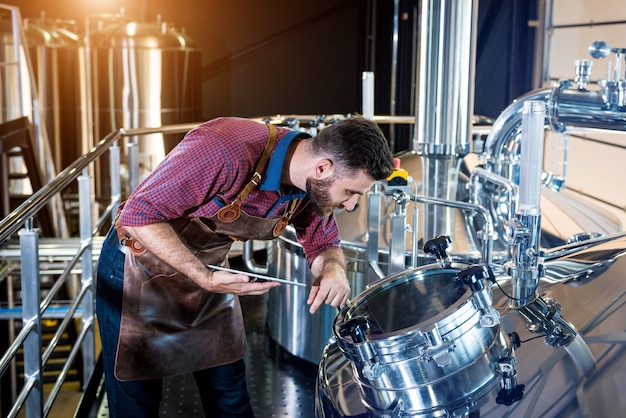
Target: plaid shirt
x=209 y=168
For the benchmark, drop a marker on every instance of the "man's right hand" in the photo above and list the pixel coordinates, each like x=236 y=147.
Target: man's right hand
x=237 y=284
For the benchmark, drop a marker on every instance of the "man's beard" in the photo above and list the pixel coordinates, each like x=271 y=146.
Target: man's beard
x=319 y=196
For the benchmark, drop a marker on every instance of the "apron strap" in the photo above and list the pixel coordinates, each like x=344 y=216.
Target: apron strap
x=281 y=225
x=260 y=166
x=232 y=211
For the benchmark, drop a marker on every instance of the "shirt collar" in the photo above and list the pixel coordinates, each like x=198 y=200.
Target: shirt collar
x=274 y=170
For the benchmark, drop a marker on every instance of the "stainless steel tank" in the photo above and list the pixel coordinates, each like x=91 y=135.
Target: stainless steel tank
x=10 y=107
x=587 y=281
x=54 y=48
x=19 y=98
x=143 y=75
x=288 y=320
x=423 y=342
x=16 y=93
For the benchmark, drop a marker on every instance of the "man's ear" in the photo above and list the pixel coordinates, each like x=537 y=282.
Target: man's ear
x=324 y=169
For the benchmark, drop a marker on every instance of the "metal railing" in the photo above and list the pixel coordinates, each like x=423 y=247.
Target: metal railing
x=34 y=307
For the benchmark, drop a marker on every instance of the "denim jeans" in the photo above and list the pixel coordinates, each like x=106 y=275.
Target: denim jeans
x=222 y=389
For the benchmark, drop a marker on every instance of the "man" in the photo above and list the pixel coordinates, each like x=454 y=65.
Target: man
x=161 y=311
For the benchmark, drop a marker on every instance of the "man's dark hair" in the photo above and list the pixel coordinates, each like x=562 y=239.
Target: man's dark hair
x=356 y=143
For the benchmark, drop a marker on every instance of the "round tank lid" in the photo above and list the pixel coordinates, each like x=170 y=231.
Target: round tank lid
x=140 y=35
x=50 y=34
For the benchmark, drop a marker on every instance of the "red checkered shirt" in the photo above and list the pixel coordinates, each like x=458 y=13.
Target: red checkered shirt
x=209 y=168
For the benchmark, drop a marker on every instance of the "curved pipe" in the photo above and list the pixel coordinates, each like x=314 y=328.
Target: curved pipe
x=566 y=108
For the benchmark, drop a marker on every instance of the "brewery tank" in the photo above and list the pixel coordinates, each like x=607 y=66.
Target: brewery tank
x=144 y=74
x=54 y=50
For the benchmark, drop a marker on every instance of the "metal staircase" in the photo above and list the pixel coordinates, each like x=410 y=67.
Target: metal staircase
x=19 y=170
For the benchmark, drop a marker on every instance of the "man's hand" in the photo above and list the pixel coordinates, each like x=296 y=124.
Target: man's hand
x=237 y=284
x=331 y=285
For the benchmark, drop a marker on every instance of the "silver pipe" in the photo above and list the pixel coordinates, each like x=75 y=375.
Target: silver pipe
x=566 y=108
x=87 y=276
x=133 y=163
x=481 y=173
x=445 y=77
x=29 y=250
x=542 y=43
x=15 y=346
x=368 y=95
x=415 y=236
x=397 y=244
x=248 y=259
x=62 y=328
x=525 y=227
x=116 y=182
x=15 y=25
x=395 y=38
x=487 y=251
x=58 y=384
x=565 y=250
x=29 y=384
x=445 y=102
x=373 y=231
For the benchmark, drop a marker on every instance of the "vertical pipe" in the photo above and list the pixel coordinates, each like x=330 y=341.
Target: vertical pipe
x=394 y=72
x=29 y=262
x=444 y=103
x=15 y=22
x=394 y=56
x=368 y=95
x=87 y=282
x=415 y=237
x=373 y=232
x=531 y=159
x=397 y=245
x=133 y=163
x=115 y=176
x=543 y=36
x=5 y=207
x=525 y=227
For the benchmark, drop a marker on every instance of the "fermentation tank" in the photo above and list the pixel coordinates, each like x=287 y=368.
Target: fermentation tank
x=10 y=107
x=18 y=99
x=143 y=75
x=54 y=49
x=16 y=92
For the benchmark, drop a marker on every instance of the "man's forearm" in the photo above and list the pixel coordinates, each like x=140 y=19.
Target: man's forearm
x=331 y=258
x=161 y=240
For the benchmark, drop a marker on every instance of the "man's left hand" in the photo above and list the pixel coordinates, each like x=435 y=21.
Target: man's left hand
x=331 y=286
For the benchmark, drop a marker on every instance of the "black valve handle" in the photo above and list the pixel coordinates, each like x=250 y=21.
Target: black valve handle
x=437 y=246
x=357 y=328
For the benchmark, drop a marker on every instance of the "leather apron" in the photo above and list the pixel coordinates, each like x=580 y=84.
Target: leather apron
x=170 y=325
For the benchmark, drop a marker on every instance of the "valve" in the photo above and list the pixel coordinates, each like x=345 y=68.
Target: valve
x=437 y=247
x=473 y=276
x=613 y=88
x=510 y=391
x=356 y=328
x=583 y=73
x=544 y=316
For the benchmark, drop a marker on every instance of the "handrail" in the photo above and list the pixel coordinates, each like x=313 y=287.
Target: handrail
x=12 y=223
x=34 y=305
